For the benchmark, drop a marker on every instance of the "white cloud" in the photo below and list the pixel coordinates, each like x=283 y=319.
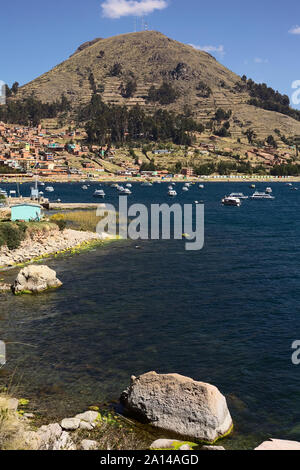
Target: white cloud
x=210 y=49
x=295 y=30
x=117 y=8
x=259 y=60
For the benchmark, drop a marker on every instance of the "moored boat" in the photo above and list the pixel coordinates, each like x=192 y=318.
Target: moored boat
x=99 y=193
x=231 y=201
x=258 y=195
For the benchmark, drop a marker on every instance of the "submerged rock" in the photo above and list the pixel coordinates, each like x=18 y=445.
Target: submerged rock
x=278 y=444
x=179 y=404
x=5 y=287
x=34 y=279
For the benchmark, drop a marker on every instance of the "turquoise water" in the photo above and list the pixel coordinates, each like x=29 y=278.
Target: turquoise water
x=227 y=314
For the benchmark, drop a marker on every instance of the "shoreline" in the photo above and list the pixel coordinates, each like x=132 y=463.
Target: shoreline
x=53 y=245
x=193 y=179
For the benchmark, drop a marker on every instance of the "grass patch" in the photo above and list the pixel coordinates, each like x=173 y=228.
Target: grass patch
x=83 y=220
x=12 y=427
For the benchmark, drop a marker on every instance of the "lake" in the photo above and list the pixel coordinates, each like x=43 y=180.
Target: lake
x=226 y=315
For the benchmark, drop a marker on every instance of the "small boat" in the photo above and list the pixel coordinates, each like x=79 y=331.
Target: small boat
x=294 y=189
x=99 y=193
x=3 y=192
x=84 y=187
x=172 y=193
x=49 y=189
x=170 y=187
x=231 y=201
x=268 y=190
x=239 y=195
x=252 y=186
x=128 y=185
x=201 y=186
x=12 y=193
x=147 y=183
x=185 y=188
x=258 y=195
x=126 y=191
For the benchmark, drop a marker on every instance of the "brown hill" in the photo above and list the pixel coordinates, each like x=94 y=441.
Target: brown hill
x=150 y=58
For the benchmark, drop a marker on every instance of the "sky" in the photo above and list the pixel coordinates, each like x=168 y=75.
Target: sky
x=260 y=39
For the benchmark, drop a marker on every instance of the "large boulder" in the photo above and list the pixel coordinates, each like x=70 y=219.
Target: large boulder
x=178 y=404
x=279 y=444
x=34 y=279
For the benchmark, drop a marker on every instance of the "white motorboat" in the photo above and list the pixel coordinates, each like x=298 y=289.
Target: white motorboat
x=49 y=189
x=84 y=187
x=99 y=193
x=239 y=196
x=231 y=201
x=129 y=185
x=201 y=186
x=147 y=183
x=126 y=191
x=258 y=195
x=172 y=193
x=268 y=190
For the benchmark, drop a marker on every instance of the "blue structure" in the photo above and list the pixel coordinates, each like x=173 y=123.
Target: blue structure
x=26 y=212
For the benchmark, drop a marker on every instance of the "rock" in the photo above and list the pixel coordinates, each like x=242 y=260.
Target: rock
x=50 y=437
x=89 y=417
x=87 y=426
x=278 y=444
x=34 y=279
x=179 y=404
x=10 y=404
x=70 y=424
x=64 y=442
x=5 y=287
x=185 y=447
x=165 y=444
x=212 y=448
x=86 y=444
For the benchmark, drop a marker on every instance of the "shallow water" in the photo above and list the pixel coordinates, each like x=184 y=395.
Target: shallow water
x=227 y=314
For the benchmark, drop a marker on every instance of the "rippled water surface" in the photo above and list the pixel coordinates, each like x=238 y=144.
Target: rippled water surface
x=227 y=314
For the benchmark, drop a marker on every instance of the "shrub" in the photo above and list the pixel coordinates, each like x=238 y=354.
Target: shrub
x=11 y=235
x=61 y=223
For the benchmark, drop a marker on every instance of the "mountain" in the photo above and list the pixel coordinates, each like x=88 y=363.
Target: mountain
x=149 y=59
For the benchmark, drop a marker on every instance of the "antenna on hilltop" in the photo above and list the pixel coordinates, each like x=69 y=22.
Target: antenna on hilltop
x=146 y=26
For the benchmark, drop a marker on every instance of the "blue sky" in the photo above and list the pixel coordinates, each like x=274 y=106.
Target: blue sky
x=260 y=38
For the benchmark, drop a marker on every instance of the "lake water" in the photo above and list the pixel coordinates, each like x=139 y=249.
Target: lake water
x=227 y=314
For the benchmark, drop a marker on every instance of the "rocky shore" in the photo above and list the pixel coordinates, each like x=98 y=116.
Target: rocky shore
x=43 y=245
x=171 y=402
